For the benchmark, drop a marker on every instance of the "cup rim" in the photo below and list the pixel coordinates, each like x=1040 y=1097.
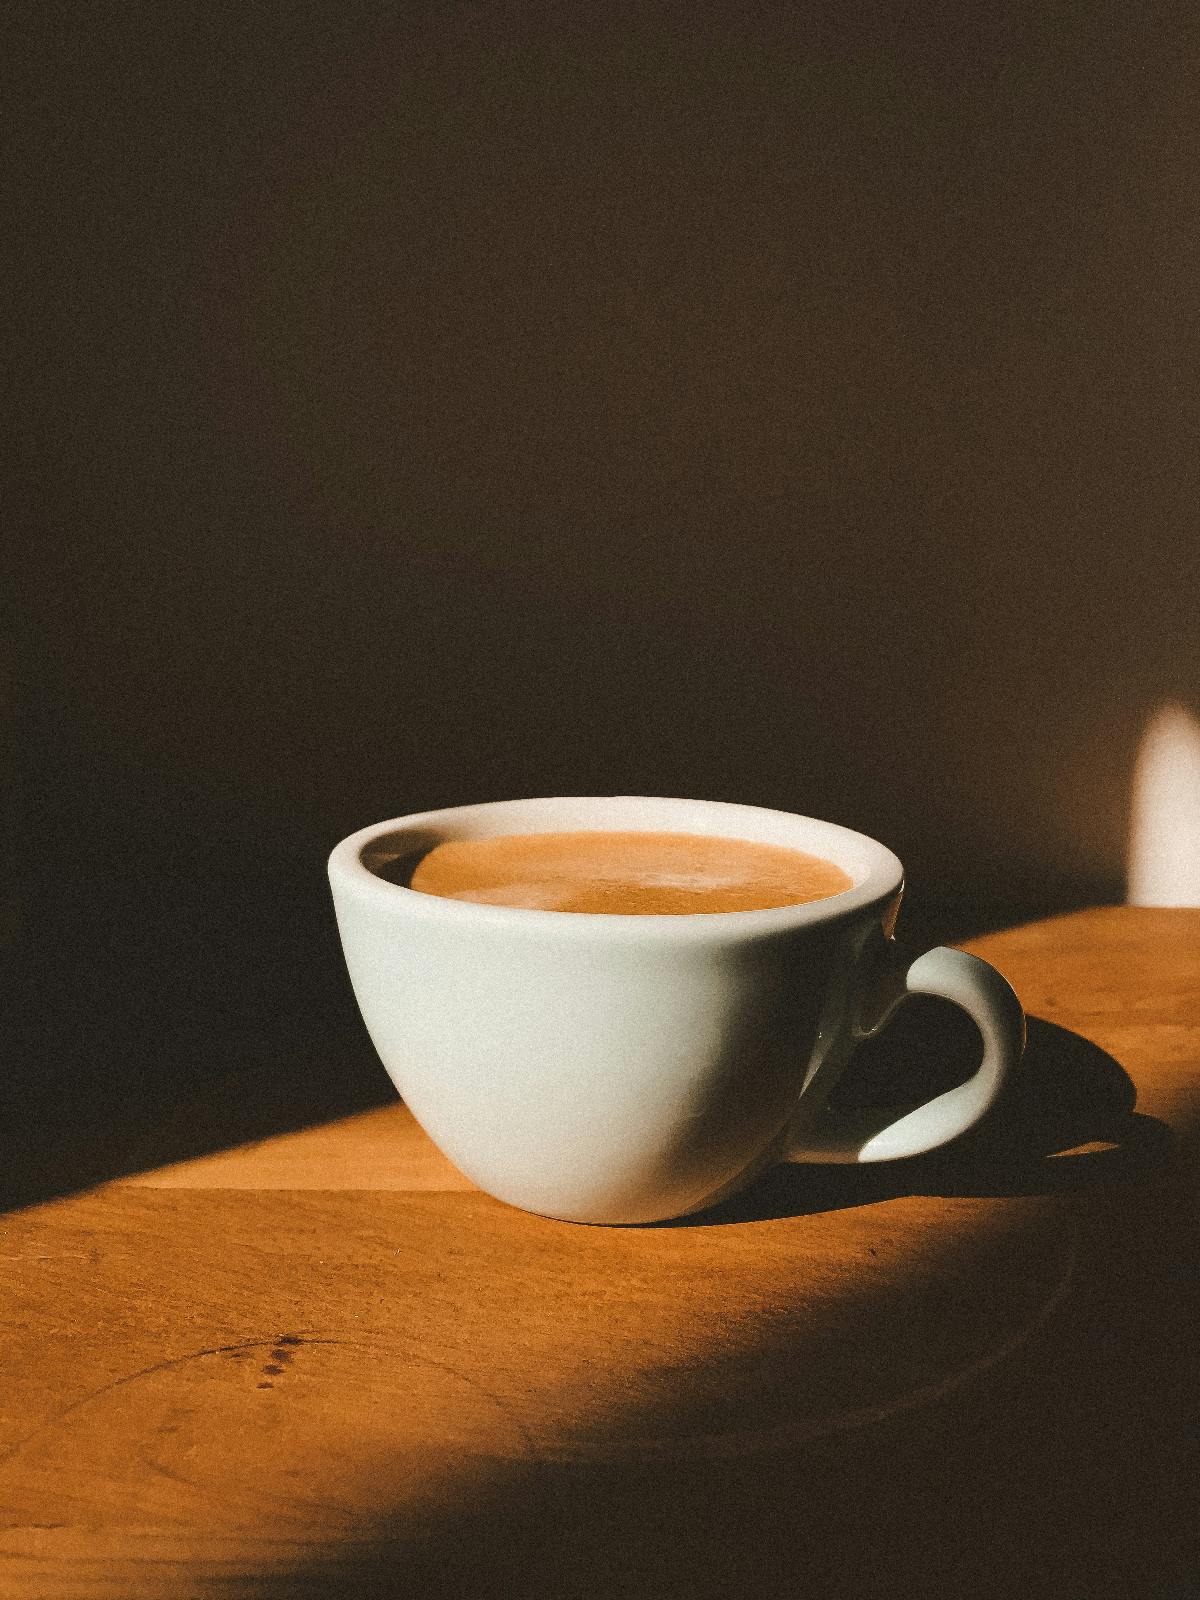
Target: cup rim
x=880 y=875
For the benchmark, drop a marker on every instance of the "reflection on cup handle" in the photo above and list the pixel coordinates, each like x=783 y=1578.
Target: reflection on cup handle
x=883 y=1134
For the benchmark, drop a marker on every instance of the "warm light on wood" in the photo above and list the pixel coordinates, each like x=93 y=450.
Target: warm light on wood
x=322 y=1364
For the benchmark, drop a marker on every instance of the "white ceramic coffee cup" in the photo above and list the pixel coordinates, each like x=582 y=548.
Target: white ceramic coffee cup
x=623 y=1069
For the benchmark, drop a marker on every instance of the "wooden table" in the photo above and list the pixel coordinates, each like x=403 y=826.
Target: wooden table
x=324 y=1365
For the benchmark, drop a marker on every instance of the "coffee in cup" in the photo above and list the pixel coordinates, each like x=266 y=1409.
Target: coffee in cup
x=626 y=874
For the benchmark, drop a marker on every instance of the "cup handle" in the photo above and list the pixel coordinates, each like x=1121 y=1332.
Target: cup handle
x=884 y=1134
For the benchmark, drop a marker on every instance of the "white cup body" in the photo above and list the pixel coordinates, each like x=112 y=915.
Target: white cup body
x=608 y=1069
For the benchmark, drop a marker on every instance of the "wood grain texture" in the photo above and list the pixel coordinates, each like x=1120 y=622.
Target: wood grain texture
x=380 y=1149
x=324 y=1365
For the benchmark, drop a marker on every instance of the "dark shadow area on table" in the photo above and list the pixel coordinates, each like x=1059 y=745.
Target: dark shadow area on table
x=126 y=1095
x=1067 y=1121
x=178 y=986
x=718 y=1531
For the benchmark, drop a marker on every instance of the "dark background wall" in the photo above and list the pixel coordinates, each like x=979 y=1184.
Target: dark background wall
x=429 y=403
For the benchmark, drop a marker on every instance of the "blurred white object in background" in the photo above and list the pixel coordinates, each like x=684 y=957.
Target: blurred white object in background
x=1163 y=862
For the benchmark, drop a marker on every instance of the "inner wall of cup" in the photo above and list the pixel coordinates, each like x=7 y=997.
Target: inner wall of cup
x=395 y=851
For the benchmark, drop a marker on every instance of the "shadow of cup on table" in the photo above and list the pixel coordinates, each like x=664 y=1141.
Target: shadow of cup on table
x=1066 y=1121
